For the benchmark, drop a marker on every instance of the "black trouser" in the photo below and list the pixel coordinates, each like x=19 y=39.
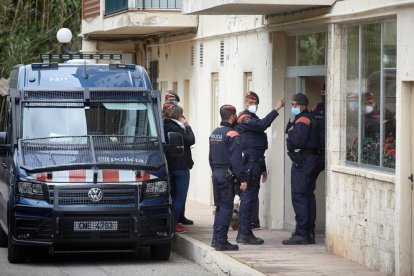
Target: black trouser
x=223 y=200
x=303 y=184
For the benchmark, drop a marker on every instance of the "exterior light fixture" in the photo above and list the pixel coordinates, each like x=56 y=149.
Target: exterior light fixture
x=64 y=36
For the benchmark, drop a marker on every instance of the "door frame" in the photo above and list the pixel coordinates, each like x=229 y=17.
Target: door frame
x=404 y=233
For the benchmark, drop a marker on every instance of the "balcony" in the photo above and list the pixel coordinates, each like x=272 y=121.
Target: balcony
x=114 y=6
x=251 y=7
x=114 y=19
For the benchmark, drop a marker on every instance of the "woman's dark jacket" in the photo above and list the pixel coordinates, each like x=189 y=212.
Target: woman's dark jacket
x=184 y=161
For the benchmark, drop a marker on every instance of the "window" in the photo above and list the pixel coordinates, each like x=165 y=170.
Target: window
x=221 y=52
x=306 y=49
x=201 y=54
x=370 y=87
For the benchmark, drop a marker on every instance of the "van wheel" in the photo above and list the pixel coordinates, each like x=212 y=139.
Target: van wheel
x=3 y=238
x=161 y=252
x=16 y=253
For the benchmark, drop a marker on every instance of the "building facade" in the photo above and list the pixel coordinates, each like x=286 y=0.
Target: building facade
x=213 y=52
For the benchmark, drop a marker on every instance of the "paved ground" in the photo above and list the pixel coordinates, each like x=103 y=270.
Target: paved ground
x=271 y=258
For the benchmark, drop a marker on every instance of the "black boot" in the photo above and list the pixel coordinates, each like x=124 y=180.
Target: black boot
x=185 y=221
x=248 y=239
x=226 y=247
x=312 y=237
x=213 y=244
x=296 y=239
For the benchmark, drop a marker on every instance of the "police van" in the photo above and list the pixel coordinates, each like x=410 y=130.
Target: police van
x=83 y=165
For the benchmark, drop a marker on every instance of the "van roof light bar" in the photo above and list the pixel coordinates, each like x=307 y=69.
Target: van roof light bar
x=45 y=57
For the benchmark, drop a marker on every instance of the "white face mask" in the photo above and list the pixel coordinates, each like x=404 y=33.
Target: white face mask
x=369 y=109
x=252 y=108
x=353 y=106
x=295 y=111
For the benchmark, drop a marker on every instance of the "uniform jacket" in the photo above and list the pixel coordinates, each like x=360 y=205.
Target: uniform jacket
x=303 y=135
x=225 y=150
x=185 y=161
x=253 y=136
x=319 y=113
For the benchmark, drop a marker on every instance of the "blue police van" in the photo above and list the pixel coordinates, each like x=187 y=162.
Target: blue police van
x=83 y=165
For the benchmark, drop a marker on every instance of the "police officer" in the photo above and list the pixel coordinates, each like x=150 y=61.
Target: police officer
x=225 y=158
x=254 y=144
x=318 y=112
x=303 y=149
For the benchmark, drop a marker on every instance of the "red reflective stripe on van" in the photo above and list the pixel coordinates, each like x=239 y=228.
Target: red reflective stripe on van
x=41 y=176
x=110 y=176
x=77 y=176
x=143 y=176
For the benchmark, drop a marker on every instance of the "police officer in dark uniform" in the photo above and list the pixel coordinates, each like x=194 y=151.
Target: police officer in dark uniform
x=254 y=144
x=225 y=158
x=318 y=112
x=303 y=149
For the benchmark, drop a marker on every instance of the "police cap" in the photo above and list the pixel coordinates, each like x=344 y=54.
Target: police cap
x=300 y=98
x=252 y=96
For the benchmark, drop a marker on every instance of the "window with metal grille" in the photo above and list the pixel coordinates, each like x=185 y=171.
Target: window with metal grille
x=222 y=53
x=201 y=54
x=192 y=55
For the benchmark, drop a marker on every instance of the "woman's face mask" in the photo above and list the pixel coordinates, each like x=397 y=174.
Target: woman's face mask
x=252 y=108
x=295 y=111
x=369 y=109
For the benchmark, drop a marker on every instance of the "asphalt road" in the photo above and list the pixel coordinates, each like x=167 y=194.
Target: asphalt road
x=94 y=264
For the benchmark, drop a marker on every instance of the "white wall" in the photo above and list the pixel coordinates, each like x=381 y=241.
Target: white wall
x=239 y=58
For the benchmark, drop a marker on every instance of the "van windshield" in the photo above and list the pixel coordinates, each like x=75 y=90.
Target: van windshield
x=60 y=136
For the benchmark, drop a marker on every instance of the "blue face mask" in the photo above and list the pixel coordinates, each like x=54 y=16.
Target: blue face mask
x=295 y=111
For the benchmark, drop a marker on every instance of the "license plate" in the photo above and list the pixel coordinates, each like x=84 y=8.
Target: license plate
x=95 y=225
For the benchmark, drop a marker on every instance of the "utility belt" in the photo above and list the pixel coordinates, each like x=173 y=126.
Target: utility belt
x=234 y=189
x=228 y=174
x=248 y=165
x=297 y=156
x=312 y=151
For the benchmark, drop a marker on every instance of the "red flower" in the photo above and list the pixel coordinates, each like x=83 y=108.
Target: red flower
x=391 y=152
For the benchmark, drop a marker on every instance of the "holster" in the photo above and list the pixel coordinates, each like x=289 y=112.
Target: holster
x=288 y=126
x=296 y=158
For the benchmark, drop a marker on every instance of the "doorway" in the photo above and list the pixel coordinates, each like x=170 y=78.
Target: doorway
x=311 y=87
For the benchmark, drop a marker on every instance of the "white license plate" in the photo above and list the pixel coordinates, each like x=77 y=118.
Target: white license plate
x=95 y=225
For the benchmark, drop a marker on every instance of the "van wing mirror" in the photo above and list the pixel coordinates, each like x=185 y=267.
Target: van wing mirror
x=175 y=147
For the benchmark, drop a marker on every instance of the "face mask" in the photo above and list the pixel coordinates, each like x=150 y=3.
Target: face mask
x=252 y=108
x=353 y=106
x=369 y=109
x=295 y=111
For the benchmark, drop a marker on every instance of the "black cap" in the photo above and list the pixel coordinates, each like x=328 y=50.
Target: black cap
x=300 y=98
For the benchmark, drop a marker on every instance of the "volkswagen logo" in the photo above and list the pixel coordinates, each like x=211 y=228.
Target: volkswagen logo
x=95 y=194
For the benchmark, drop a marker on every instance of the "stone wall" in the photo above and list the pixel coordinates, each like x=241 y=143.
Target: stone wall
x=361 y=220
